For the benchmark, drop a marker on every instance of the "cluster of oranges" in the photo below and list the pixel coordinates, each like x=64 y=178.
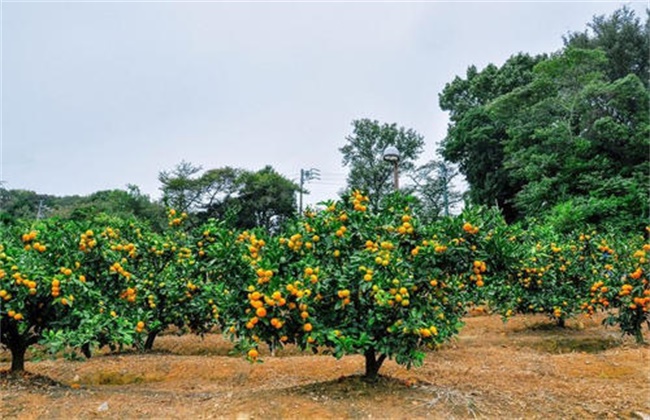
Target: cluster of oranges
x=400 y=295
x=437 y=246
x=344 y=295
x=636 y=274
x=254 y=247
x=368 y=272
x=56 y=288
x=469 y=228
x=129 y=248
x=294 y=243
x=21 y=280
x=428 y=332
x=358 y=200
x=110 y=233
x=311 y=274
x=176 y=221
x=116 y=268
x=184 y=253
x=15 y=315
x=29 y=236
x=28 y=240
x=139 y=327
x=478 y=268
x=263 y=276
x=406 y=228
x=130 y=294
x=151 y=301
x=642 y=303
x=641 y=254
x=532 y=276
x=4 y=295
x=87 y=241
x=603 y=247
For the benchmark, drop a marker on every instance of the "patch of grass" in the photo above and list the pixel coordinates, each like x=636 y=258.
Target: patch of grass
x=560 y=345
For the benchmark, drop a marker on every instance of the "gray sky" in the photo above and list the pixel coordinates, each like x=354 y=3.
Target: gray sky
x=97 y=95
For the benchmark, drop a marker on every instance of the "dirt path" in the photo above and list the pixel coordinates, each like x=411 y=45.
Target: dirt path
x=525 y=369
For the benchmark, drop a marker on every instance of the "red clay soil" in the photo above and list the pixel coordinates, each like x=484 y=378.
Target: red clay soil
x=527 y=368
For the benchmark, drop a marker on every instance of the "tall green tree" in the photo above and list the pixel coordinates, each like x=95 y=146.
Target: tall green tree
x=475 y=137
x=571 y=131
x=574 y=135
x=624 y=40
x=434 y=188
x=245 y=198
x=363 y=154
x=181 y=187
x=266 y=199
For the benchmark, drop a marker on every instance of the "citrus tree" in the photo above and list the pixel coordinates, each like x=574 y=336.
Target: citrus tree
x=107 y=316
x=623 y=288
x=172 y=286
x=40 y=288
x=551 y=274
x=356 y=281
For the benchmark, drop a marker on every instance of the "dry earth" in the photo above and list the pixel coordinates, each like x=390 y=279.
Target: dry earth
x=527 y=368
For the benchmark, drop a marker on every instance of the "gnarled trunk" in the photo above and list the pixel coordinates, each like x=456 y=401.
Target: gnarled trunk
x=373 y=363
x=17 y=343
x=151 y=337
x=18 y=357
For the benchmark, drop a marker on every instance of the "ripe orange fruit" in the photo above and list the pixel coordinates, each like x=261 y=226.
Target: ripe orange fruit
x=252 y=353
x=307 y=327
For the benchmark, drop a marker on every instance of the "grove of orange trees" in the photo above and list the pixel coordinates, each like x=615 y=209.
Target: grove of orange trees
x=350 y=278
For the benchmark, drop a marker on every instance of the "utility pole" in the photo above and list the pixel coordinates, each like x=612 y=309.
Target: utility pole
x=307 y=175
x=39 y=215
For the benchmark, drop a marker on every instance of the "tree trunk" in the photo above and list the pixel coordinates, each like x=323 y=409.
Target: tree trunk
x=18 y=358
x=373 y=364
x=151 y=337
x=560 y=322
x=85 y=349
x=638 y=335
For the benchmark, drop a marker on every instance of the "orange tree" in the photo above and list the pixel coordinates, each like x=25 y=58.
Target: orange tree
x=549 y=274
x=483 y=251
x=622 y=288
x=176 y=286
x=356 y=280
x=40 y=288
x=146 y=281
x=107 y=317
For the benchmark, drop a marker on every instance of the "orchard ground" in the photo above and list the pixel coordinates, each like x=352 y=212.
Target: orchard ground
x=526 y=368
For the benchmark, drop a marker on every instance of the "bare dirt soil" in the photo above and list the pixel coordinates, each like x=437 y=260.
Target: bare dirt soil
x=527 y=368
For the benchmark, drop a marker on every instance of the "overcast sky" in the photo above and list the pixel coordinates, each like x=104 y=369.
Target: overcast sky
x=98 y=95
